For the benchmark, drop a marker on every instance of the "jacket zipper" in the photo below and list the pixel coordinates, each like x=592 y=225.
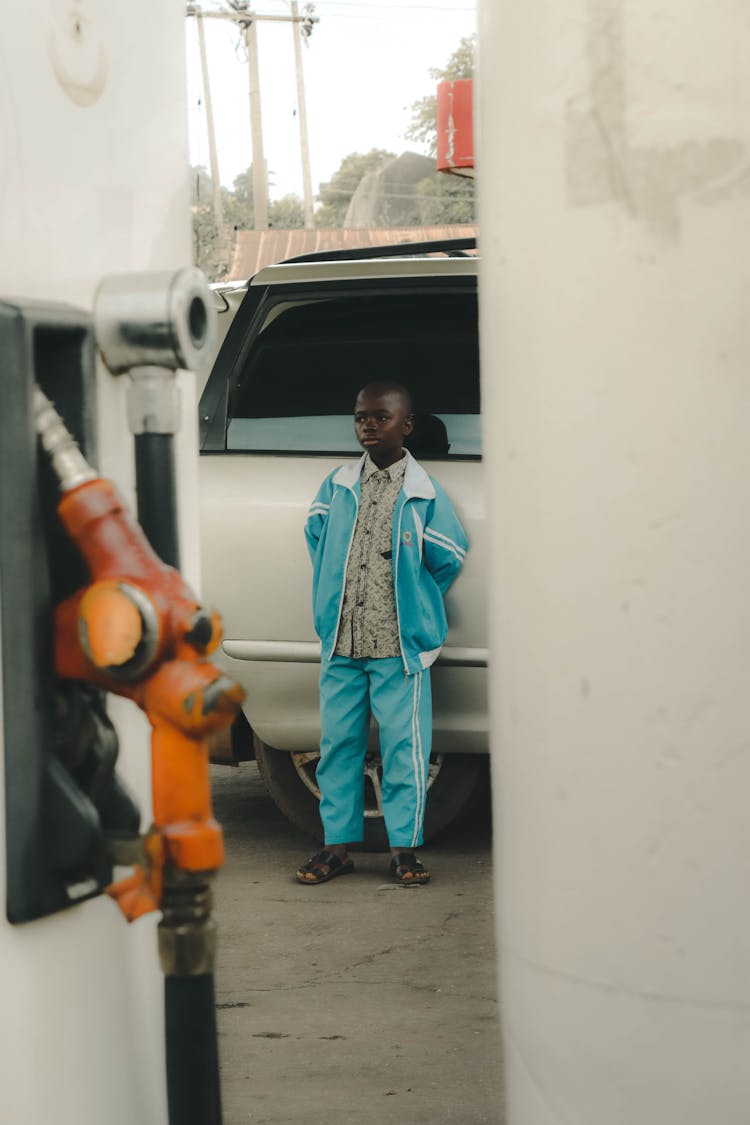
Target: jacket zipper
x=395 y=586
x=346 y=567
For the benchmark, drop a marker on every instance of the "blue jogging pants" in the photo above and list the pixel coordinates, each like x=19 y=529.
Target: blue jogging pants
x=402 y=706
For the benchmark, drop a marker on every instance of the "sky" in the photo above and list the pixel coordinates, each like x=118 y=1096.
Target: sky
x=364 y=65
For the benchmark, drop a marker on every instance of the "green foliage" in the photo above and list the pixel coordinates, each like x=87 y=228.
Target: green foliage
x=335 y=195
x=205 y=241
x=243 y=186
x=238 y=204
x=440 y=199
x=446 y=199
x=461 y=62
x=287 y=213
x=205 y=233
x=423 y=126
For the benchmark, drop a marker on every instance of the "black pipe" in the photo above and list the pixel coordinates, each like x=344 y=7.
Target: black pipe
x=193 y=1089
x=157 y=494
x=187 y=938
x=193 y=1085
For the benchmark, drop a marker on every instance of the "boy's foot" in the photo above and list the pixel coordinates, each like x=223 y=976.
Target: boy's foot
x=408 y=871
x=324 y=865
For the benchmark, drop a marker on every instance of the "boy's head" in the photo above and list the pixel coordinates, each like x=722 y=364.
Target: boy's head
x=382 y=419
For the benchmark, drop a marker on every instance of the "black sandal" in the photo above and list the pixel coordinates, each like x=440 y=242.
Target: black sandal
x=314 y=866
x=408 y=871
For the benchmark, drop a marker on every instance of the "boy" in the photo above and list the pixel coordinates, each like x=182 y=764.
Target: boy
x=385 y=545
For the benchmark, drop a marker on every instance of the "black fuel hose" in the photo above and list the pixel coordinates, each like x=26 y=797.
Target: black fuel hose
x=192 y=1056
x=193 y=1090
x=157 y=494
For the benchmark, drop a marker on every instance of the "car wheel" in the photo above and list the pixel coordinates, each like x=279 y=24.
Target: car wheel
x=290 y=779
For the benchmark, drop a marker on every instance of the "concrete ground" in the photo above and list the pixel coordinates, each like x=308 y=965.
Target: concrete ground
x=355 y=1001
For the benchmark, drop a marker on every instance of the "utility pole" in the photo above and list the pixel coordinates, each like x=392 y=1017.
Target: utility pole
x=241 y=13
x=213 y=159
x=260 y=179
x=307 y=194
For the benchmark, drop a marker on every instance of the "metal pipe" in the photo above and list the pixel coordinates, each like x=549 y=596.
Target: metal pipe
x=70 y=466
x=147 y=326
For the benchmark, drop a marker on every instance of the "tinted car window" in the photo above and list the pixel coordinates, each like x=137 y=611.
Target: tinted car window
x=295 y=391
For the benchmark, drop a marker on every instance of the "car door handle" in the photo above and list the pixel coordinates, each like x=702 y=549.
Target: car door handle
x=308 y=652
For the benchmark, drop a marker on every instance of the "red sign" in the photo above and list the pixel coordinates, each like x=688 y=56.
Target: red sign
x=455 y=127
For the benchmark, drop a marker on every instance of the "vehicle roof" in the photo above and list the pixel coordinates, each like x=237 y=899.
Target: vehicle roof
x=418 y=266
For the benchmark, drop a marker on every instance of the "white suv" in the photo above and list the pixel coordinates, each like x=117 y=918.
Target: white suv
x=275 y=418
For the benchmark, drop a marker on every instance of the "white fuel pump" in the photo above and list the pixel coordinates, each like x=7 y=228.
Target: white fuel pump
x=93 y=121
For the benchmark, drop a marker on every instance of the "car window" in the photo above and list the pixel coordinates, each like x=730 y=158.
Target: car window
x=295 y=390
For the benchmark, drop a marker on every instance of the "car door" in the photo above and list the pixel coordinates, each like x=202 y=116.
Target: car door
x=276 y=418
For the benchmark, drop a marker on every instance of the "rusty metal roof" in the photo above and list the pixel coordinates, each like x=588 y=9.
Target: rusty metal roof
x=257 y=248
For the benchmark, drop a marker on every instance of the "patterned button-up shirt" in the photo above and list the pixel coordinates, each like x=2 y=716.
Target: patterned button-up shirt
x=369 y=627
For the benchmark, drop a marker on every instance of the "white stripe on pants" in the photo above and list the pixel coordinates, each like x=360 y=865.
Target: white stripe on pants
x=402 y=706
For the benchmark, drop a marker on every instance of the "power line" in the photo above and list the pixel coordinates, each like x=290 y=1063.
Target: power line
x=246 y=20
x=410 y=16
x=340 y=10
x=365 y=9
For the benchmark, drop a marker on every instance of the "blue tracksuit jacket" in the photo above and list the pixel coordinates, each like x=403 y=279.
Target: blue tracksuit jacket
x=429 y=547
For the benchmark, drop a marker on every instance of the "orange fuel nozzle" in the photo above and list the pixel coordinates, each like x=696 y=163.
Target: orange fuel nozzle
x=137 y=630
x=137 y=612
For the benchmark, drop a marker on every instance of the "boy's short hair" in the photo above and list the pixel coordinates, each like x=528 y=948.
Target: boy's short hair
x=388 y=386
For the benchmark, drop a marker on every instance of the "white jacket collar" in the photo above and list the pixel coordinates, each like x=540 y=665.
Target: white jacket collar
x=416 y=481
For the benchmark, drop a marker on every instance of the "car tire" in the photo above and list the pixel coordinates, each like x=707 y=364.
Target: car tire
x=290 y=782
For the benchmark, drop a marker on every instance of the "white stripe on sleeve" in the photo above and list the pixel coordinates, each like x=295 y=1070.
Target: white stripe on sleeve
x=446 y=544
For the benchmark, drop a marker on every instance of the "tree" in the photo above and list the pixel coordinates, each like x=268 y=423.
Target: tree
x=336 y=194
x=206 y=237
x=286 y=213
x=238 y=204
x=205 y=241
x=446 y=198
x=423 y=127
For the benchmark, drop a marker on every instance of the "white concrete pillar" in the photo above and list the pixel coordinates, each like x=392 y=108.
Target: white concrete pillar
x=614 y=179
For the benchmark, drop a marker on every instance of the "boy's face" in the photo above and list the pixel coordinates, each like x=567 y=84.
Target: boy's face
x=381 y=422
